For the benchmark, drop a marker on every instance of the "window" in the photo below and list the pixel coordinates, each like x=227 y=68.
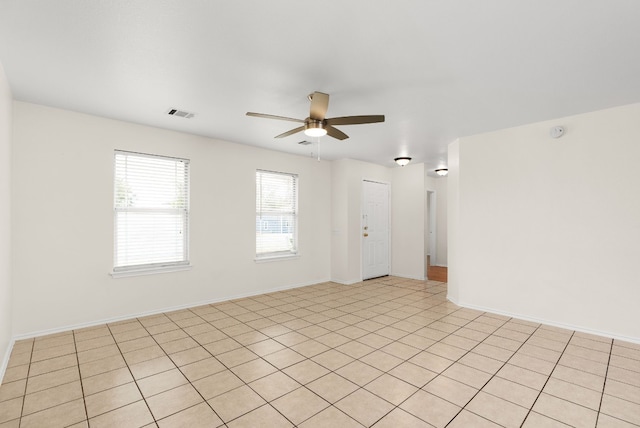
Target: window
x=151 y=213
x=276 y=214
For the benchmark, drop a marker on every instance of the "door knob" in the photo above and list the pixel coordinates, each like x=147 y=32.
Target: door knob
x=365 y=234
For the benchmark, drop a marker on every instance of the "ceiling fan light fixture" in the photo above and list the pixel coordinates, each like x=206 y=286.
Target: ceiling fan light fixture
x=402 y=161
x=442 y=171
x=314 y=128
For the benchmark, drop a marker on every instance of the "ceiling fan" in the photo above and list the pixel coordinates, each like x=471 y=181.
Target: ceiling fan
x=317 y=125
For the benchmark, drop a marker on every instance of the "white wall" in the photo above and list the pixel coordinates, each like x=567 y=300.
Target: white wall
x=408 y=195
x=441 y=221
x=6 y=103
x=549 y=229
x=347 y=176
x=63 y=220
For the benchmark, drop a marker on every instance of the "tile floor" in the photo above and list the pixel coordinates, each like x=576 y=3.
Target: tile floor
x=386 y=353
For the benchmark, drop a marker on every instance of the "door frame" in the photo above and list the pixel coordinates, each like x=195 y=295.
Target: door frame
x=360 y=230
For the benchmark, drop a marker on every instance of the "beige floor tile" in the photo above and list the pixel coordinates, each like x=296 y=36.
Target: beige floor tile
x=51 y=379
x=102 y=366
x=467 y=375
x=216 y=384
x=565 y=411
x=531 y=363
x=332 y=387
x=252 y=370
x=235 y=403
x=63 y=415
x=47 y=342
x=355 y=349
x=189 y=356
x=310 y=348
x=332 y=359
x=91 y=333
x=399 y=418
x=274 y=386
x=133 y=415
x=623 y=375
x=451 y=390
x=622 y=390
x=161 y=382
x=104 y=381
x=430 y=408
x=196 y=416
x=493 y=352
x=151 y=367
x=359 y=372
x=264 y=416
x=413 y=374
x=381 y=360
x=364 y=407
x=284 y=358
x=265 y=347
x=12 y=374
x=171 y=336
x=432 y=362
x=162 y=328
x=10 y=409
x=512 y=391
x=374 y=340
x=621 y=409
x=579 y=377
x=144 y=354
x=10 y=390
x=586 y=365
x=536 y=420
x=173 y=400
x=606 y=421
x=209 y=337
x=179 y=345
x=299 y=405
x=202 y=368
x=306 y=371
x=571 y=392
x=51 y=397
x=391 y=389
x=330 y=417
x=466 y=419
x=401 y=350
x=111 y=399
x=19 y=359
x=236 y=357
x=135 y=344
x=448 y=351
x=97 y=342
x=497 y=410
x=98 y=353
x=130 y=335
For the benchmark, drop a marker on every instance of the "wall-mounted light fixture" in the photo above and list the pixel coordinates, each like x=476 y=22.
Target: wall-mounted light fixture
x=402 y=161
x=442 y=171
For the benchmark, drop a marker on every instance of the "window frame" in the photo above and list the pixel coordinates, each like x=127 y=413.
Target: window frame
x=279 y=255
x=162 y=266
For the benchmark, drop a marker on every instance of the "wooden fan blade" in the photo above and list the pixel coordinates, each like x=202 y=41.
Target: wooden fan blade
x=293 y=131
x=319 y=105
x=355 y=120
x=271 y=116
x=336 y=133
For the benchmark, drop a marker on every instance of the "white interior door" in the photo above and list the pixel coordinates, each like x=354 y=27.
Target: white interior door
x=375 y=230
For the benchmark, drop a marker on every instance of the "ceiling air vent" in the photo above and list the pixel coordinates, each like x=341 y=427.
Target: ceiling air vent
x=304 y=143
x=180 y=113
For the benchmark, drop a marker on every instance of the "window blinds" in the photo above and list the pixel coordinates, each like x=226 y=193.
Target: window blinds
x=151 y=211
x=276 y=214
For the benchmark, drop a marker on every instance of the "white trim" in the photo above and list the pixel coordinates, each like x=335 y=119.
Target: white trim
x=5 y=360
x=276 y=258
x=402 y=275
x=346 y=282
x=164 y=310
x=547 y=322
x=149 y=271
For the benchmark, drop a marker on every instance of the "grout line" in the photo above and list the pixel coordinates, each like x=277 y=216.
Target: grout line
x=605 y=383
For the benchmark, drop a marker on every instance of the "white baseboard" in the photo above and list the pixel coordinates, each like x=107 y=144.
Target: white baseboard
x=345 y=281
x=159 y=311
x=5 y=360
x=402 y=275
x=547 y=322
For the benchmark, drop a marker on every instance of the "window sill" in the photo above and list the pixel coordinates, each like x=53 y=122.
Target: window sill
x=149 y=271
x=276 y=258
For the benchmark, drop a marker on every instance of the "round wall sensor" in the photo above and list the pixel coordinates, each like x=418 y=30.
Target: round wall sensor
x=556 y=132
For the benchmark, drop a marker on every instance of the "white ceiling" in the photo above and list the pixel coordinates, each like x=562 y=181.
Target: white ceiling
x=438 y=70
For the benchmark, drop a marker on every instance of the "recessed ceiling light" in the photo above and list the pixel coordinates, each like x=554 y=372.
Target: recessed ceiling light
x=442 y=171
